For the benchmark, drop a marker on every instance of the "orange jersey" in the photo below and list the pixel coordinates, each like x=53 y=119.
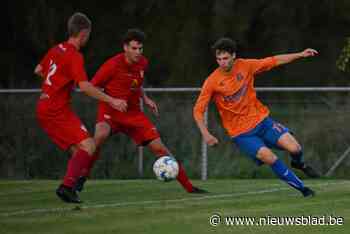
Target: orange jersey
x=234 y=95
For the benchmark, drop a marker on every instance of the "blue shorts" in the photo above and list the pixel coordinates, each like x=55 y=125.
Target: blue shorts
x=266 y=133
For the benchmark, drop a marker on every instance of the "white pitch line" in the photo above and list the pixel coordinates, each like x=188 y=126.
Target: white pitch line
x=119 y=204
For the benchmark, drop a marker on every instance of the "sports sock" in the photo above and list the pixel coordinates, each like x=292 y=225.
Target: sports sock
x=183 y=179
x=298 y=158
x=77 y=165
x=282 y=171
x=94 y=158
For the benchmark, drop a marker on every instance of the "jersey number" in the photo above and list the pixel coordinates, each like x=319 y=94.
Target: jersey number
x=52 y=71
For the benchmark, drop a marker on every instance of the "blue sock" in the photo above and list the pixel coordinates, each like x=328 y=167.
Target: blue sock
x=298 y=158
x=282 y=171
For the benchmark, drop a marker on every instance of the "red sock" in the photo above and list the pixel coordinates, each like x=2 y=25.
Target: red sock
x=94 y=158
x=77 y=165
x=183 y=179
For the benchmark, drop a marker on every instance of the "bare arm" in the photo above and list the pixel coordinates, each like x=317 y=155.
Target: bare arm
x=150 y=103
x=92 y=91
x=198 y=113
x=287 y=58
x=202 y=127
x=207 y=136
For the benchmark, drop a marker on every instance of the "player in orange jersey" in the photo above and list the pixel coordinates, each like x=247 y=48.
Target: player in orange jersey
x=245 y=118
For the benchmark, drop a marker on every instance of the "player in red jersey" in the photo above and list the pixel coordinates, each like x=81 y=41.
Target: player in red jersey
x=122 y=77
x=62 y=68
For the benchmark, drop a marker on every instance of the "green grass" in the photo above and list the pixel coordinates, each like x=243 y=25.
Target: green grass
x=149 y=206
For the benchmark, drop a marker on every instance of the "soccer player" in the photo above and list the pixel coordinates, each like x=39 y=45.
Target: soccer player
x=246 y=120
x=62 y=68
x=122 y=77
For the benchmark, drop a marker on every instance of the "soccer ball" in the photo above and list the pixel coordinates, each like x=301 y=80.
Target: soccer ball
x=166 y=168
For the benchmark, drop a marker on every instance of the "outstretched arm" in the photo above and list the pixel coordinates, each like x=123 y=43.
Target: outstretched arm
x=80 y=77
x=287 y=58
x=92 y=91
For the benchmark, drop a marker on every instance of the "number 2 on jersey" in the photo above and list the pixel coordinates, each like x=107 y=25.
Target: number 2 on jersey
x=52 y=71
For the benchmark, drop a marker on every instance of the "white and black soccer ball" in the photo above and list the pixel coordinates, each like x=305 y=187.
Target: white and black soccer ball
x=166 y=168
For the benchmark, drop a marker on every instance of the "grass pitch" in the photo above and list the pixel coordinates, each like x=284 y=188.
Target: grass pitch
x=150 y=206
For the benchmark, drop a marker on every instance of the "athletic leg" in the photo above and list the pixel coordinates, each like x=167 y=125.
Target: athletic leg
x=77 y=166
x=281 y=170
x=157 y=147
x=102 y=132
x=290 y=144
x=254 y=146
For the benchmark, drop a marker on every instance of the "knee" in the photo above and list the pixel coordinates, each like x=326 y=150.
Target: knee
x=88 y=145
x=266 y=156
x=73 y=149
x=100 y=137
x=295 y=149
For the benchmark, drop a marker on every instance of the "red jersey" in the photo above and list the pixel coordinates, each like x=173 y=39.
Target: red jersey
x=122 y=80
x=62 y=66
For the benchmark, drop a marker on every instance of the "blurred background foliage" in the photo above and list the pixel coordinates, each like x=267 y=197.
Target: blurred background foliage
x=180 y=34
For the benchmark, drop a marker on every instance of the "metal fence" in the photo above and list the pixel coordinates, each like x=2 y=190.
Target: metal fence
x=204 y=150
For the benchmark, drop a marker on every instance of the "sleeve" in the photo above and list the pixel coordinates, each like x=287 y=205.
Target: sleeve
x=260 y=65
x=103 y=74
x=203 y=100
x=77 y=69
x=44 y=63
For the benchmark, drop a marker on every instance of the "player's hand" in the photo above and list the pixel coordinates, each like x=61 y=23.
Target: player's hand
x=119 y=104
x=152 y=105
x=210 y=139
x=39 y=71
x=309 y=53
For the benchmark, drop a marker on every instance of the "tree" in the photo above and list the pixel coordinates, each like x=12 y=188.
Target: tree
x=343 y=60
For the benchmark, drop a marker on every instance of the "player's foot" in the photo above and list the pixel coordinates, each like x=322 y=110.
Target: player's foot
x=198 y=190
x=307 y=192
x=309 y=171
x=79 y=186
x=67 y=194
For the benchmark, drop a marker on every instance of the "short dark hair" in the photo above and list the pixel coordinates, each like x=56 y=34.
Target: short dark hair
x=78 y=22
x=134 y=34
x=224 y=44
